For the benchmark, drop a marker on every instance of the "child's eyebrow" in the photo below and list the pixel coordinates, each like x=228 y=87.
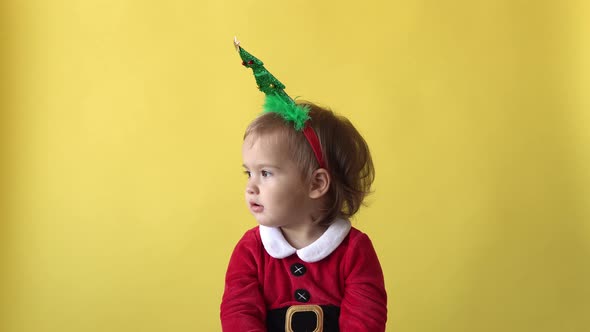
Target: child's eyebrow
x=262 y=166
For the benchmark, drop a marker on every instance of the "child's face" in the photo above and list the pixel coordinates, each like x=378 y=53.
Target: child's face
x=276 y=193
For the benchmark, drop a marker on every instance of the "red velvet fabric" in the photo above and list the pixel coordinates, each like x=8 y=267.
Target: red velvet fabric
x=350 y=277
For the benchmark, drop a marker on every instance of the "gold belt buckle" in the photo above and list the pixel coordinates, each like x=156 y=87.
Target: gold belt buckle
x=316 y=309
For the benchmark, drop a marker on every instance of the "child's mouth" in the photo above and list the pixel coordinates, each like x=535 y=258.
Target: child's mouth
x=256 y=208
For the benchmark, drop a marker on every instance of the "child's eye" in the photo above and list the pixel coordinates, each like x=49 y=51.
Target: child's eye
x=265 y=174
x=247 y=173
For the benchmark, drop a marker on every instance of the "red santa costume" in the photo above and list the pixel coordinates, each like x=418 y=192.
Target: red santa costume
x=340 y=273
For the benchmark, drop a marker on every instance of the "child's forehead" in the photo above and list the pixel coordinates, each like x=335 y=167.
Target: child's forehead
x=275 y=138
x=266 y=148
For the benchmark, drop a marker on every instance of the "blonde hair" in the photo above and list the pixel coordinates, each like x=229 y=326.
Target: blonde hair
x=347 y=156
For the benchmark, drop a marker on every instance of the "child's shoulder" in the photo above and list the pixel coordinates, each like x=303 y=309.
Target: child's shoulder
x=251 y=237
x=253 y=234
x=355 y=233
x=358 y=237
x=250 y=241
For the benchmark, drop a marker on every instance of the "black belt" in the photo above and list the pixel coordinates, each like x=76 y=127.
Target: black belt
x=298 y=318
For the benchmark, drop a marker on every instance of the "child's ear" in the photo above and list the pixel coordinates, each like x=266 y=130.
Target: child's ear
x=320 y=183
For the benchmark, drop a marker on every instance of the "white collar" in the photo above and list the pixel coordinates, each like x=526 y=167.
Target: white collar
x=277 y=246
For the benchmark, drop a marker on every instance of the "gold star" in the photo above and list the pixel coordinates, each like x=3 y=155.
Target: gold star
x=237 y=43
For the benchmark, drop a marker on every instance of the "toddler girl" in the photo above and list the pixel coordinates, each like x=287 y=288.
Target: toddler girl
x=303 y=268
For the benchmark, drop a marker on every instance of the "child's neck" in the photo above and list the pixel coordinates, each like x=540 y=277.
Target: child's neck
x=300 y=236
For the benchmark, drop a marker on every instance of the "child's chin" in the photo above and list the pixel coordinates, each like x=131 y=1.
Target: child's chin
x=265 y=223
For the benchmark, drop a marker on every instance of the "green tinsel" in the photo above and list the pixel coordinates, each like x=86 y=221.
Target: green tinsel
x=288 y=110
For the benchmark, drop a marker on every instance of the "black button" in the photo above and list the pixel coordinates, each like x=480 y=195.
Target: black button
x=298 y=269
x=302 y=295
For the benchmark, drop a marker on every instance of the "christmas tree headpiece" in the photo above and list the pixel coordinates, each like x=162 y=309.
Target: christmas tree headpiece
x=277 y=101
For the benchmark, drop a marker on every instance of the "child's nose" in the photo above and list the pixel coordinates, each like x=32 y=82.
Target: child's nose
x=251 y=189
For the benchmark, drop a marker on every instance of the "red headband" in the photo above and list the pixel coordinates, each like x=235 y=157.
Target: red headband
x=314 y=142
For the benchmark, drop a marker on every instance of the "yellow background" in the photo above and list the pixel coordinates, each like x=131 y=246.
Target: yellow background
x=121 y=181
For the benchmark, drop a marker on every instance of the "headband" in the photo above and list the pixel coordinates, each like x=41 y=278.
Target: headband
x=278 y=102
